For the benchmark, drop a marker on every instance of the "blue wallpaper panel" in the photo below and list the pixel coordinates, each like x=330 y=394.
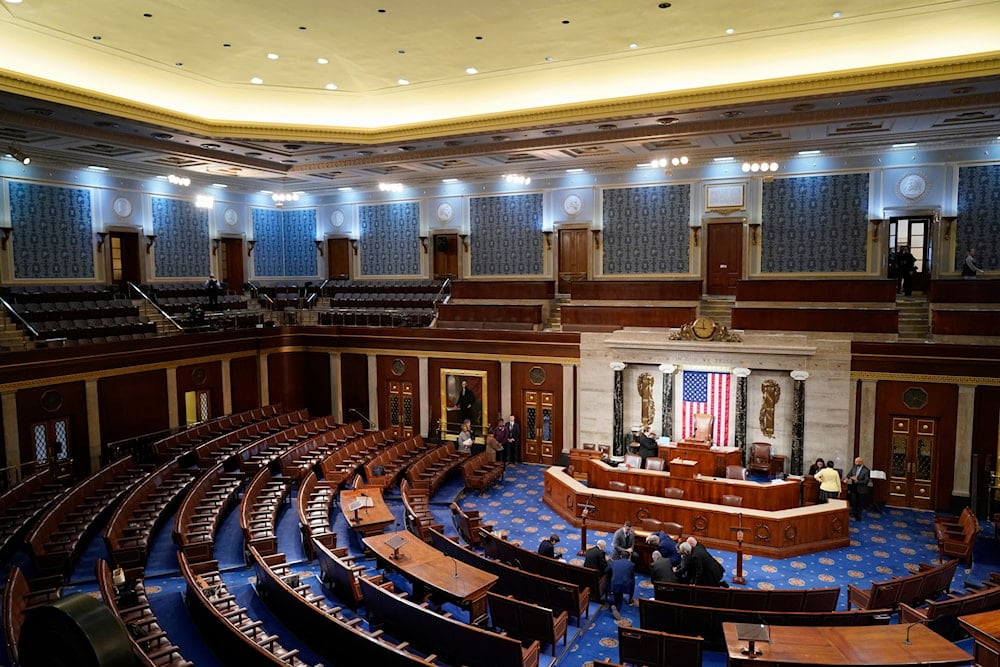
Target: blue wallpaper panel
x=505 y=235
x=978 y=224
x=646 y=230
x=817 y=224
x=181 y=248
x=53 y=235
x=299 y=230
x=390 y=239
x=267 y=250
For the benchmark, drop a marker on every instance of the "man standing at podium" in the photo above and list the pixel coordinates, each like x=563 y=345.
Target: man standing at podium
x=859 y=488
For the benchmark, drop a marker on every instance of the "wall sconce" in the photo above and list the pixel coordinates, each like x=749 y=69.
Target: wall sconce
x=465 y=241
x=875 y=225
x=150 y=240
x=100 y=240
x=16 y=153
x=948 y=221
x=6 y=231
x=319 y=246
x=354 y=245
x=423 y=243
x=215 y=246
x=597 y=239
x=754 y=228
x=250 y=245
x=696 y=231
x=548 y=239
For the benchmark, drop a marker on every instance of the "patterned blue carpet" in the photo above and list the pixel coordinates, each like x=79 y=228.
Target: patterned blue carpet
x=882 y=546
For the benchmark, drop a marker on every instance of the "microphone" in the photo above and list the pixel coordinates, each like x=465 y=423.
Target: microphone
x=910 y=627
x=456 y=565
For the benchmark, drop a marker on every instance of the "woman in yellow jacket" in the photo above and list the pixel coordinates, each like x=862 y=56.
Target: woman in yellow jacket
x=829 y=481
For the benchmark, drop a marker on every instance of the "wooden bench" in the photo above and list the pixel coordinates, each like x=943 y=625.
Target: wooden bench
x=481 y=471
x=527 y=621
x=455 y=642
x=928 y=583
x=956 y=538
x=649 y=647
x=686 y=619
x=18 y=597
x=468 y=524
x=809 y=599
x=942 y=615
x=417 y=515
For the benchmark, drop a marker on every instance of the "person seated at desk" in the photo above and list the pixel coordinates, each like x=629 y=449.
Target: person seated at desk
x=548 y=546
x=647 y=444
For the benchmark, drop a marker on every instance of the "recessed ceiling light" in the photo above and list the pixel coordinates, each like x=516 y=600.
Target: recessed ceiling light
x=809 y=152
x=837 y=15
x=730 y=31
x=13 y=2
x=96 y=167
x=449 y=180
x=345 y=189
x=256 y=80
x=633 y=45
x=723 y=159
x=471 y=70
x=219 y=185
x=548 y=59
x=322 y=61
x=904 y=145
x=403 y=82
x=272 y=56
x=331 y=86
x=575 y=170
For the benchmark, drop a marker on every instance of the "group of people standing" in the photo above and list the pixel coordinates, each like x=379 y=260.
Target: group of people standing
x=503 y=439
x=858 y=480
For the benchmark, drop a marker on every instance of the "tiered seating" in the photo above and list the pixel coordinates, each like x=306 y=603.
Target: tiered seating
x=385 y=469
x=201 y=510
x=260 y=504
x=432 y=469
x=649 y=647
x=298 y=461
x=314 y=501
x=176 y=298
x=150 y=643
x=381 y=303
x=18 y=596
x=481 y=471
x=250 y=439
x=806 y=599
x=417 y=515
x=942 y=615
x=62 y=532
x=346 y=460
x=468 y=524
x=23 y=503
x=527 y=621
x=927 y=583
x=956 y=538
x=183 y=441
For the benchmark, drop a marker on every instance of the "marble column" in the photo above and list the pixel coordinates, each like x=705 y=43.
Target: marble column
x=798 y=420
x=740 y=430
x=618 y=426
x=667 y=404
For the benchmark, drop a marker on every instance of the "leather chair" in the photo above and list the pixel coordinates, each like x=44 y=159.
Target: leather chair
x=655 y=463
x=615 y=485
x=760 y=458
x=704 y=424
x=633 y=461
x=736 y=472
x=651 y=525
x=673 y=492
x=673 y=529
x=732 y=501
x=640 y=490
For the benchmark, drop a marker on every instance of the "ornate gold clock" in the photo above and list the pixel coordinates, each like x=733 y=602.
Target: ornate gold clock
x=704 y=328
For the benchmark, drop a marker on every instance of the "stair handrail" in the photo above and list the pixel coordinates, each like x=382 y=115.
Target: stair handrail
x=132 y=287
x=30 y=330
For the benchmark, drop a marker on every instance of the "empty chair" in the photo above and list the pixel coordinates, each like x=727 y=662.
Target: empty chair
x=673 y=492
x=732 y=501
x=633 y=461
x=655 y=463
x=651 y=525
x=615 y=485
x=736 y=472
x=635 y=488
x=760 y=457
x=703 y=427
x=673 y=529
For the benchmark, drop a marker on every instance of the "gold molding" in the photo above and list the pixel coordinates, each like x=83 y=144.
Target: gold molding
x=966 y=380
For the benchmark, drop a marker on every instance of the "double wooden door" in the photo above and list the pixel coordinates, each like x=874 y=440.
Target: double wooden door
x=538 y=421
x=912 y=460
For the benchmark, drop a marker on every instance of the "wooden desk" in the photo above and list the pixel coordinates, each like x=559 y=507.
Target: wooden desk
x=880 y=645
x=984 y=628
x=712 y=461
x=429 y=570
x=371 y=520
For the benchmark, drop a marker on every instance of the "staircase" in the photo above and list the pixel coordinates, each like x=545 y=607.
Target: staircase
x=554 y=322
x=147 y=311
x=12 y=339
x=914 y=318
x=719 y=308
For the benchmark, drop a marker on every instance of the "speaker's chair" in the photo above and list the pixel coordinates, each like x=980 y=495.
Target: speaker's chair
x=704 y=424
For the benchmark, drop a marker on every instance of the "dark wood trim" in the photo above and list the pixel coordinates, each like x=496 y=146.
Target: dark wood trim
x=806 y=290
x=637 y=290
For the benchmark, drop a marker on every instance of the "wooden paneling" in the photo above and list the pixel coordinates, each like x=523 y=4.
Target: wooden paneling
x=338 y=259
x=810 y=290
x=521 y=314
x=985 y=441
x=243 y=383
x=199 y=377
x=858 y=320
x=514 y=290
x=969 y=360
x=521 y=375
x=410 y=367
x=980 y=322
x=637 y=290
x=965 y=290
x=611 y=318
x=41 y=404
x=434 y=366
x=133 y=404
x=354 y=385
x=300 y=380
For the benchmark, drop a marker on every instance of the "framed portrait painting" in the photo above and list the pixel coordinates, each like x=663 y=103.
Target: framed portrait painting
x=464 y=396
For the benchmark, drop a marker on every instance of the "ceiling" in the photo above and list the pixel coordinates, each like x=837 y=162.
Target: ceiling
x=147 y=88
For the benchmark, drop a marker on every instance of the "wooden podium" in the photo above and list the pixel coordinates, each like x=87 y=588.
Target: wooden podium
x=738 y=578
x=683 y=468
x=586 y=509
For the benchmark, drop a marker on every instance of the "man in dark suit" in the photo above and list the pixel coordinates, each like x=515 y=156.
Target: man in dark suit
x=698 y=566
x=512 y=447
x=466 y=403
x=548 y=546
x=859 y=488
x=596 y=558
x=647 y=444
x=661 y=569
x=622 y=582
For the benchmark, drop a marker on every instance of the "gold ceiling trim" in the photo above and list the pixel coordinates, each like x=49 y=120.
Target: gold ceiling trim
x=966 y=380
x=927 y=72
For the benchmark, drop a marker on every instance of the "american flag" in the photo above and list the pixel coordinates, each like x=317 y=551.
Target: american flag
x=709 y=393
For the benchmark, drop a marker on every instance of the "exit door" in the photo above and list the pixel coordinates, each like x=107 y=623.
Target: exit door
x=574 y=257
x=445 y=256
x=725 y=257
x=911 y=467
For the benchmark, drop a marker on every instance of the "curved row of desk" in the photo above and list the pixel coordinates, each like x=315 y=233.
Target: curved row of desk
x=776 y=533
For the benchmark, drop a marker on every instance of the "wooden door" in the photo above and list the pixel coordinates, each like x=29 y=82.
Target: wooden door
x=401 y=408
x=338 y=259
x=445 y=256
x=538 y=419
x=125 y=258
x=574 y=257
x=725 y=257
x=231 y=264
x=911 y=466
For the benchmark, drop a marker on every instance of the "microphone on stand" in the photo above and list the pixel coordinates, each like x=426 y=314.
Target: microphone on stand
x=910 y=627
x=456 y=565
